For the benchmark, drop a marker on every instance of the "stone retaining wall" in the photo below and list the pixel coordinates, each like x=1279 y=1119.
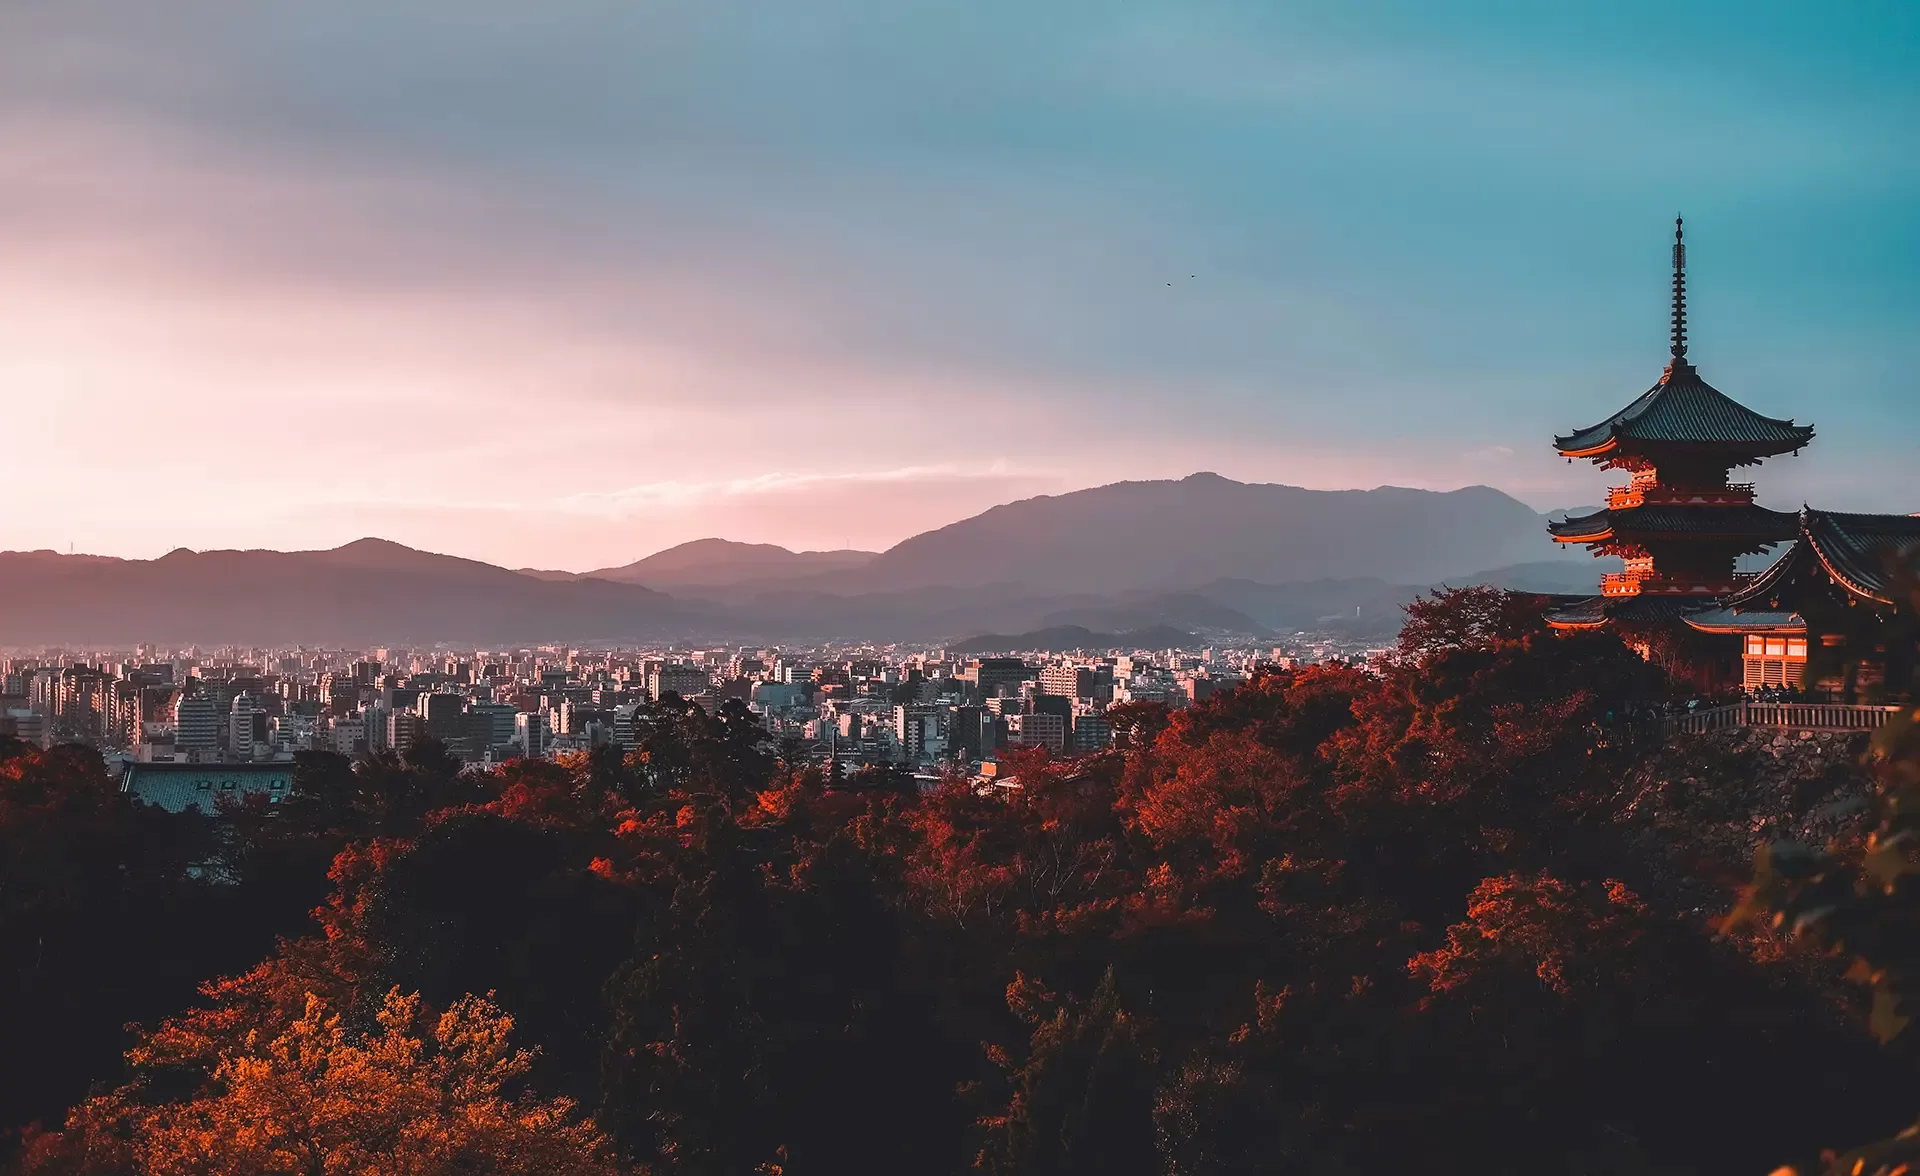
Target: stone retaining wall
x=1704 y=803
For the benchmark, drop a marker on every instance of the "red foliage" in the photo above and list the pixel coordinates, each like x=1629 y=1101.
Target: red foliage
x=1477 y=617
x=1568 y=937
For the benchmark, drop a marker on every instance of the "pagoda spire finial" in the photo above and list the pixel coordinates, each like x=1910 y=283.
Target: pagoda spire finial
x=1679 y=292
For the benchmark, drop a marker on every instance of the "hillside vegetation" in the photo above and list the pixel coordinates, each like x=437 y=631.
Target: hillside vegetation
x=1436 y=918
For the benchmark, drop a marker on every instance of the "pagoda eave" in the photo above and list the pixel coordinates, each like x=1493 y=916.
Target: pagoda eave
x=1595 y=612
x=1744 y=525
x=1560 y=444
x=1858 y=553
x=1638 y=454
x=1731 y=620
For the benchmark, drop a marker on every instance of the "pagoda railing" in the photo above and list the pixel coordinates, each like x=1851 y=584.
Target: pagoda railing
x=1791 y=716
x=1659 y=494
x=1633 y=583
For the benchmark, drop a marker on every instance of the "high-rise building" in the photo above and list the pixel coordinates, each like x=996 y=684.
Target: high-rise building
x=340 y=693
x=1064 y=681
x=404 y=729
x=440 y=713
x=494 y=720
x=530 y=732
x=196 y=724
x=1039 y=729
x=920 y=732
x=626 y=732
x=240 y=728
x=1091 y=731
x=349 y=735
x=677 y=678
x=992 y=676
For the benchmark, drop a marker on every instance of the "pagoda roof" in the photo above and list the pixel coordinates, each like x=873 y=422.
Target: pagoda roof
x=1733 y=620
x=1591 y=612
x=1683 y=409
x=1745 y=522
x=1859 y=552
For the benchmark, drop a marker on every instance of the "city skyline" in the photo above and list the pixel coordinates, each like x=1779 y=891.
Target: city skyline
x=560 y=290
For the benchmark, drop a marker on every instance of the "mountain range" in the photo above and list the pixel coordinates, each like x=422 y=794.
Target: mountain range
x=724 y=563
x=1203 y=554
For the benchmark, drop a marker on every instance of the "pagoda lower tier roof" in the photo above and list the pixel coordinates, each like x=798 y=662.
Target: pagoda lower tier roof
x=1684 y=409
x=1591 y=612
x=1733 y=620
x=1747 y=523
x=1859 y=552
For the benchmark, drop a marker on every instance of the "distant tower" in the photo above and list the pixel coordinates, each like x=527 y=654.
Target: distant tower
x=241 y=728
x=1679 y=522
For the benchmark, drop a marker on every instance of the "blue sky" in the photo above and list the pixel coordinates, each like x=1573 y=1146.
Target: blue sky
x=564 y=283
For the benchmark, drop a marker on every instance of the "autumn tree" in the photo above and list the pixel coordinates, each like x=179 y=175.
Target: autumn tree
x=1476 y=617
x=419 y=1096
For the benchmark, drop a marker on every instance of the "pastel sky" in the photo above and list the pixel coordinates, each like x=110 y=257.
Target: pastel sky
x=562 y=283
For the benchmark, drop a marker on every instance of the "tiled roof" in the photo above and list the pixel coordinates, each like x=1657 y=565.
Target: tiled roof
x=1857 y=551
x=1861 y=551
x=1745 y=522
x=1586 y=612
x=1598 y=610
x=1733 y=620
x=179 y=787
x=1683 y=408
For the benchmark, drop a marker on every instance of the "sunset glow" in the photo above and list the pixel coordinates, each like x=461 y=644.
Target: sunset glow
x=563 y=292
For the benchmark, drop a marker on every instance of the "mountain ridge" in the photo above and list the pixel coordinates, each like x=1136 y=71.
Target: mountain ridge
x=715 y=562
x=1204 y=527
x=1203 y=554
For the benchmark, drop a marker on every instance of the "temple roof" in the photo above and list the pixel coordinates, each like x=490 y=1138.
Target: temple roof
x=1732 y=620
x=1593 y=611
x=1857 y=551
x=1586 y=613
x=1748 y=522
x=1683 y=409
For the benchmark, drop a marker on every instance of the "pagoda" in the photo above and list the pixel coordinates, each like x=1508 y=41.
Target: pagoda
x=1680 y=522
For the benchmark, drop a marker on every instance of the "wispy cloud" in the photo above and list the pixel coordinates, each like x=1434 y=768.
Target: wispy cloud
x=630 y=500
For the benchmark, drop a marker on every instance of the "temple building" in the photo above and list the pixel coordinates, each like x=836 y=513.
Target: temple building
x=1821 y=617
x=1681 y=525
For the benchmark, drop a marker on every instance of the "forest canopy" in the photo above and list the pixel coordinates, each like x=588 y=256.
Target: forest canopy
x=1338 y=919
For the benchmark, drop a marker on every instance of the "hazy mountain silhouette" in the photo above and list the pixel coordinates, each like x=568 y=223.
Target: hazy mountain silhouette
x=1175 y=534
x=722 y=563
x=1368 y=606
x=1202 y=555
x=368 y=591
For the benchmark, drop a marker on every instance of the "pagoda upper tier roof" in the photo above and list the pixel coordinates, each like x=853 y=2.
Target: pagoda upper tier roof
x=1683 y=409
x=1745 y=522
x=1860 y=552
